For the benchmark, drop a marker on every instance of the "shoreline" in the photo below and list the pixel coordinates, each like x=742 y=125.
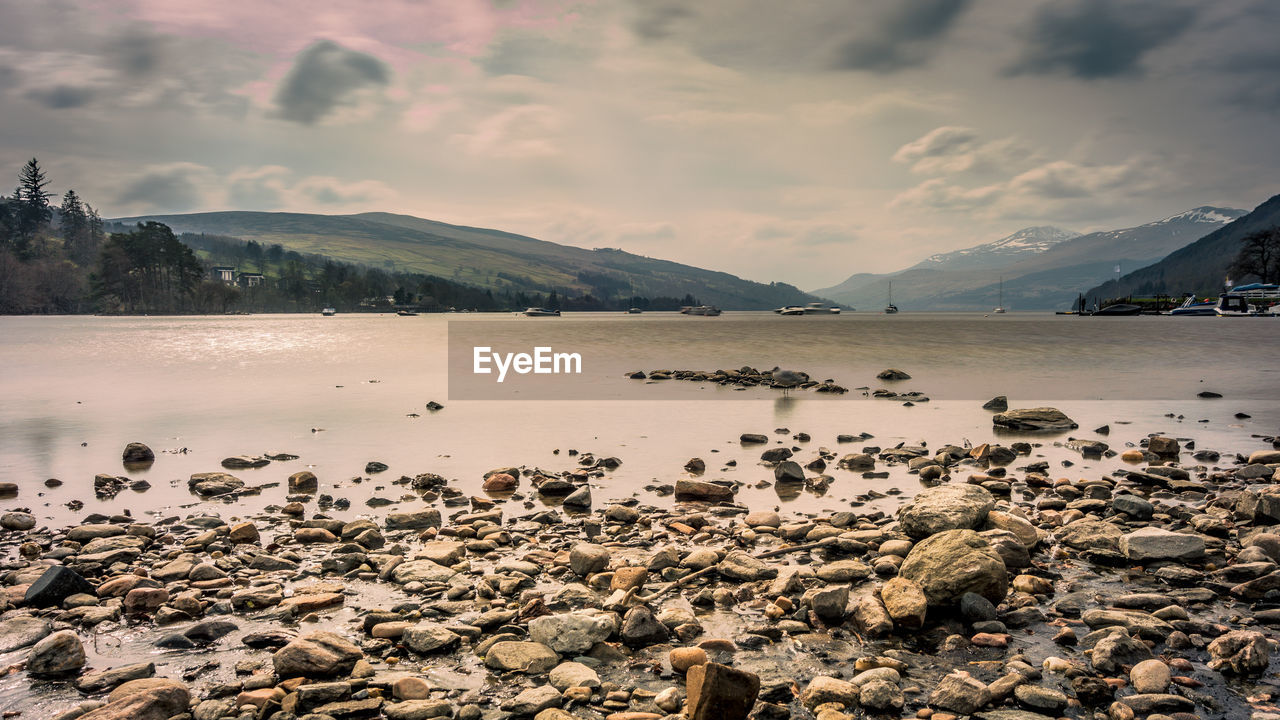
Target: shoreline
x=596 y=600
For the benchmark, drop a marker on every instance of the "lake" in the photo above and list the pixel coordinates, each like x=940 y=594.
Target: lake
x=342 y=391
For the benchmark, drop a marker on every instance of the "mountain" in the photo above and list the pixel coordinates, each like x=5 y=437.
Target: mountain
x=1200 y=267
x=1042 y=276
x=1003 y=252
x=483 y=258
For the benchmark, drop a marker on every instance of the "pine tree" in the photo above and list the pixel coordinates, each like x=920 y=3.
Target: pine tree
x=33 y=211
x=76 y=233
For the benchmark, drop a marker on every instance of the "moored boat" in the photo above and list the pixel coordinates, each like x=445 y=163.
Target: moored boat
x=540 y=312
x=329 y=312
x=1192 y=306
x=707 y=310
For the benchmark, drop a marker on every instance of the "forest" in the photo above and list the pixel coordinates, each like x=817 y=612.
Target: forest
x=63 y=259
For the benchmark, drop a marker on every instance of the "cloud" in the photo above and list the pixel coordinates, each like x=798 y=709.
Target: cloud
x=519 y=132
x=1091 y=39
x=261 y=188
x=534 y=56
x=62 y=97
x=1056 y=190
x=327 y=190
x=655 y=20
x=324 y=77
x=906 y=37
x=949 y=150
x=166 y=188
x=134 y=54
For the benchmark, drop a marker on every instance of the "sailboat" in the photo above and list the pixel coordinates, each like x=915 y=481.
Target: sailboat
x=1000 y=305
x=890 y=308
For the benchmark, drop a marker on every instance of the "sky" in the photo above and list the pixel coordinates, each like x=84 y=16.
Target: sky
x=800 y=142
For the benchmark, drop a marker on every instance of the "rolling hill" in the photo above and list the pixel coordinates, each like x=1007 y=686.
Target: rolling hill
x=483 y=258
x=1200 y=267
x=1042 y=268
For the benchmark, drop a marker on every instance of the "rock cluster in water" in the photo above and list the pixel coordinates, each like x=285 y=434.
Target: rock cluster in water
x=999 y=591
x=743 y=377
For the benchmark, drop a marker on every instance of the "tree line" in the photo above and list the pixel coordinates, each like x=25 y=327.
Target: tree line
x=63 y=259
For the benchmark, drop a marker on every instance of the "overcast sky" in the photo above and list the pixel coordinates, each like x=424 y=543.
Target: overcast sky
x=779 y=141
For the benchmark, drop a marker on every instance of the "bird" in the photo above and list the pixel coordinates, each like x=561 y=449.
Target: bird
x=786 y=379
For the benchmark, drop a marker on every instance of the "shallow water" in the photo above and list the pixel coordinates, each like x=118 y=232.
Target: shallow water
x=339 y=392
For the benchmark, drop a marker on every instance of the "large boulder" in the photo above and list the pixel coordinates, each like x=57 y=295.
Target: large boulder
x=1150 y=544
x=527 y=657
x=952 y=563
x=320 y=654
x=1034 y=419
x=135 y=453
x=147 y=699
x=214 y=483
x=21 y=631
x=946 y=507
x=1243 y=652
x=55 y=585
x=61 y=653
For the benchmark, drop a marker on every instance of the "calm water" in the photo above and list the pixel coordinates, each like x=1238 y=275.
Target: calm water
x=339 y=392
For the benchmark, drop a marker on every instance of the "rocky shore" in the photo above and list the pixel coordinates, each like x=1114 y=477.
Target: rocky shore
x=1005 y=589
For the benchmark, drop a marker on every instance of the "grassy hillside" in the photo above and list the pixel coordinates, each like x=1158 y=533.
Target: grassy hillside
x=484 y=258
x=1200 y=267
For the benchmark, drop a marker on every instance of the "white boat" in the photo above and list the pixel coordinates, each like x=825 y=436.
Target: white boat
x=790 y=310
x=329 y=312
x=817 y=308
x=890 y=308
x=541 y=312
x=1192 y=306
x=707 y=310
x=999 y=308
x=1232 y=305
x=634 y=311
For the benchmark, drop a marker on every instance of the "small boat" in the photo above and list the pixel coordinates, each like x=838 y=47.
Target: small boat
x=1192 y=306
x=707 y=310
x=634 y=311
x=999 y=308
x=406 y=313
x=1232 y=305
x=890 y=308
x=541 y=312
x=329 y=312
x=1119 y=310
x=790 y=310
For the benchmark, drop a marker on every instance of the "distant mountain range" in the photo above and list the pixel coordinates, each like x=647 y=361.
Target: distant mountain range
x=1001 y=253
x=1042 y=268
x=1200 y=267
x=484 y=258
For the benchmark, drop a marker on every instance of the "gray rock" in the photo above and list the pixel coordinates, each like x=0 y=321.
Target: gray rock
x=740 y=566
x=640 y=628
x=573 y=674
x=588 y=558
x=1034 y=419
x=21 y=631
x=1115 y=650
x=1242 y=652
x=960 y=693
x=1151 y=543
x=429 y=637
x=571 y=633
x=533 y=701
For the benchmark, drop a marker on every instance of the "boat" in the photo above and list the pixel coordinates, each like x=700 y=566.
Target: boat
x=817 y=308
x=999 y=308
x=634 y=311
x=329 y=312
x=790 y=310
x=1119 y=310
x=890 y=308
x=1191 y=306
x=540 y=312
x=406 y=313
x=1233 y=305
x=707 y=310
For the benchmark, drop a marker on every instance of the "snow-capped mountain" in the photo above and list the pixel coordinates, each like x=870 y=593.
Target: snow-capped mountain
x=999 y=253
